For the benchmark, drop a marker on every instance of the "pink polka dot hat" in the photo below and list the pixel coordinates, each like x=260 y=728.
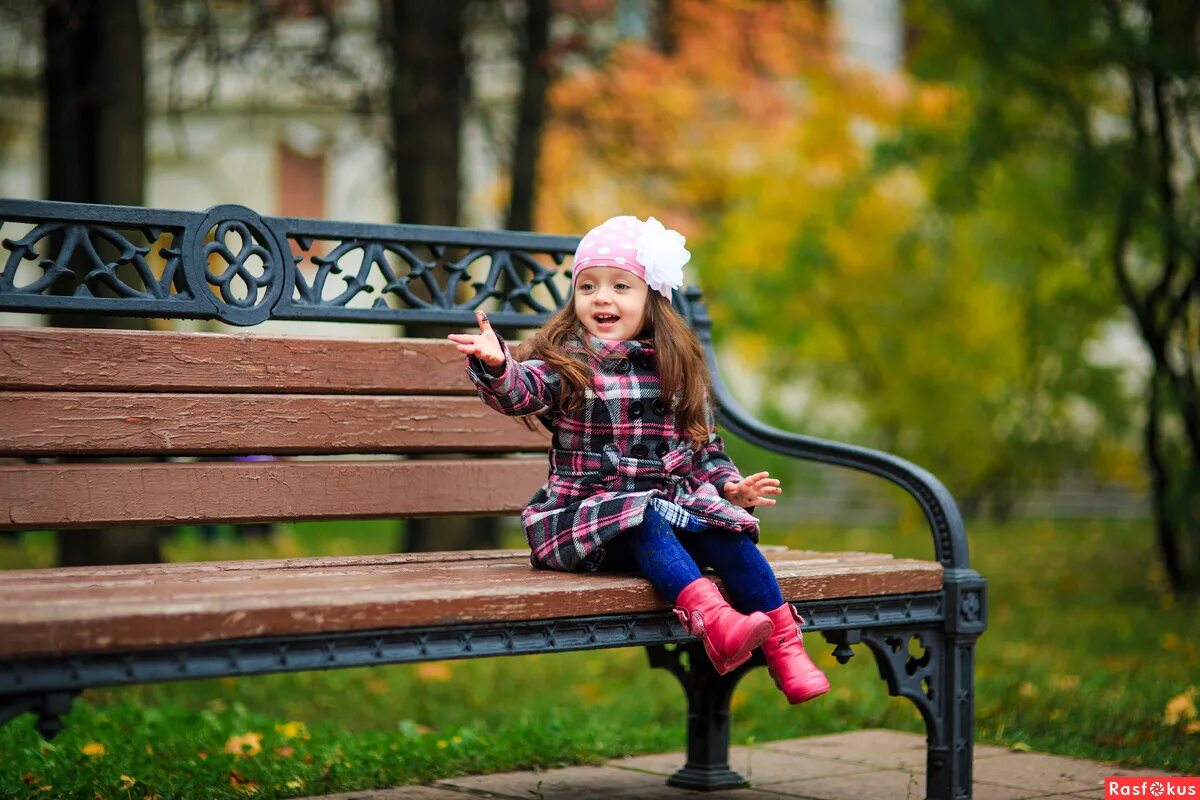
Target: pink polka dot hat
x=647 y=249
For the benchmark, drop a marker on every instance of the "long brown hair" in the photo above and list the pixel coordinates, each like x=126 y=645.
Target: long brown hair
x=682 y=371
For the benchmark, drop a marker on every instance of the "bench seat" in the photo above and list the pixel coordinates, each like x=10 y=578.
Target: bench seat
x=67 y=611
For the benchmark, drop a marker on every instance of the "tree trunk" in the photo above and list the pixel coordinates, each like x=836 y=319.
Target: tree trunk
x=95 y=151
x=429 y=93
x=535 y=80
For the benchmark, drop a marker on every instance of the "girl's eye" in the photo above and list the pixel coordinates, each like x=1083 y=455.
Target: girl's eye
x=622 y=285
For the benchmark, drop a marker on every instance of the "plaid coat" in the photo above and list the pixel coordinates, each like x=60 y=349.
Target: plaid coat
x=619 y=453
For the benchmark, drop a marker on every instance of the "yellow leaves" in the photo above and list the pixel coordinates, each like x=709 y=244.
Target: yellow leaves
x=589 y=691
x=128 y=782
x=241 y=783
x=434 y=672
x=32 y=780
x=1066 y=682
x=292 y=730
x=93 y=749
x=1027 y=690
x=1181 y=710
x=245 y=745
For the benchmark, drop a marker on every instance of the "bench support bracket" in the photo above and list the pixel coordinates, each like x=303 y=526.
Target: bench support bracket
x=708 y=696
x=934 y=670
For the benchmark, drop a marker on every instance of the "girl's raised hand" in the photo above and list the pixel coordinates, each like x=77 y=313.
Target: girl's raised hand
x=485 y=346
x=753 y=490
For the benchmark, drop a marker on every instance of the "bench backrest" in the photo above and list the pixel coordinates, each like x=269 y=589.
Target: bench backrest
x=224 y=396
x=176 y=402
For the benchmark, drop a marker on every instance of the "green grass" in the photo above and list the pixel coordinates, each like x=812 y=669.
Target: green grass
x=1084 y=653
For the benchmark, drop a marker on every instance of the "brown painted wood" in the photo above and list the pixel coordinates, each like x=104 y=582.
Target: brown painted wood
x=61 y=359
x=99 y=423
x=95 y=495
x=114 y=575
x=174 y=607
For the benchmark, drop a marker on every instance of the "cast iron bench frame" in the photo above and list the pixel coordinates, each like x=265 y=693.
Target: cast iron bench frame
x=525 y=282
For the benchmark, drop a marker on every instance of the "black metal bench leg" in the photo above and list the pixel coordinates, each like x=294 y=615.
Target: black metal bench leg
x=934 y=667
x=50 y=708
x=950 y=757
x=708 y=696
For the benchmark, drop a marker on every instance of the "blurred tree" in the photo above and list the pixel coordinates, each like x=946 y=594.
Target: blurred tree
x=95 y=152
x=531 y=112
x=428 y=96
x=1108 y=91
x=866 y=311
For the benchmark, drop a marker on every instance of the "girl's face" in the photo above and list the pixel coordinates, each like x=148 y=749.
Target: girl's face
x=611 y=302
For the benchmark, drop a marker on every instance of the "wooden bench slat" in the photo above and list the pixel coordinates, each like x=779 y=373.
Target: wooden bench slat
x=70 y=577
x=260 y=582
x=64 y=359
x=174 y=610
x=41 y=496
x=99 y=423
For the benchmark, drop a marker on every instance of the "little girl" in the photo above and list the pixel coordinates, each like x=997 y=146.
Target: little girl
x=639 y=479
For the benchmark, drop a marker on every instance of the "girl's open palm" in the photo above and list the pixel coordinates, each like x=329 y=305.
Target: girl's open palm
x=485 y=346
x=753 y=490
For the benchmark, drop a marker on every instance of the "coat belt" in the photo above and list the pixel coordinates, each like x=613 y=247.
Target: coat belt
x=611 y=469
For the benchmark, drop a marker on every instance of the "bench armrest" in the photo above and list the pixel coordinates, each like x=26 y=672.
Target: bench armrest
x=945 y=521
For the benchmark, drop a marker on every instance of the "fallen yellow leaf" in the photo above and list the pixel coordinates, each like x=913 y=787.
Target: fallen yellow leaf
x=242 y=784
x=93 y=749
x=248 y=744
x=1066 y=682
x=292 y=730
x=128 y=781
x=1181 y=707
x=434 y=671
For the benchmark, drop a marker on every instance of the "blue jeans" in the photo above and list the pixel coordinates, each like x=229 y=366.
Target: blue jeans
x=671 y=560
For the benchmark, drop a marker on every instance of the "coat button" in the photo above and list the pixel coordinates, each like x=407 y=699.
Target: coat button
x=658 y=408
x=635 y=409
x=623 y=366
x=661 y=449
x=640 y=450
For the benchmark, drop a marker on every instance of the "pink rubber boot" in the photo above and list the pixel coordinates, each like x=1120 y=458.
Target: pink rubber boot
x=728 y=636
x=794 y=672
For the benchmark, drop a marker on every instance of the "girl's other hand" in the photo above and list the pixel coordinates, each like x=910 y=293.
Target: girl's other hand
x=752 y=491
x=485 y=346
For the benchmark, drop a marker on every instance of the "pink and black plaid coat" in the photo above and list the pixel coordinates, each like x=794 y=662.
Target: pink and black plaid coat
x=620 y=452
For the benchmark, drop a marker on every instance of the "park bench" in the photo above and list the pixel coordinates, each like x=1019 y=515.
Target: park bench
x=118 y=427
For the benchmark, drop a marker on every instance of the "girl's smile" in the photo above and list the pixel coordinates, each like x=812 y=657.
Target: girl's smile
x=611 y=302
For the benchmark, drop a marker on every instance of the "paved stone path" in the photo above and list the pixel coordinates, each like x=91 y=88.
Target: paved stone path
x=863 y=765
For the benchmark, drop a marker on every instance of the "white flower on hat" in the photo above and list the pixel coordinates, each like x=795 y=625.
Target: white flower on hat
x=661 y=251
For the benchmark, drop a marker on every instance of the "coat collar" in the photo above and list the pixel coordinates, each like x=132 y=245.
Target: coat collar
x=609 y=348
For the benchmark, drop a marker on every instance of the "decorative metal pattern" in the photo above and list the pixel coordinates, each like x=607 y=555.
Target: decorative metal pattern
x=935 y=670
x=231 y=264
x=357 y=649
